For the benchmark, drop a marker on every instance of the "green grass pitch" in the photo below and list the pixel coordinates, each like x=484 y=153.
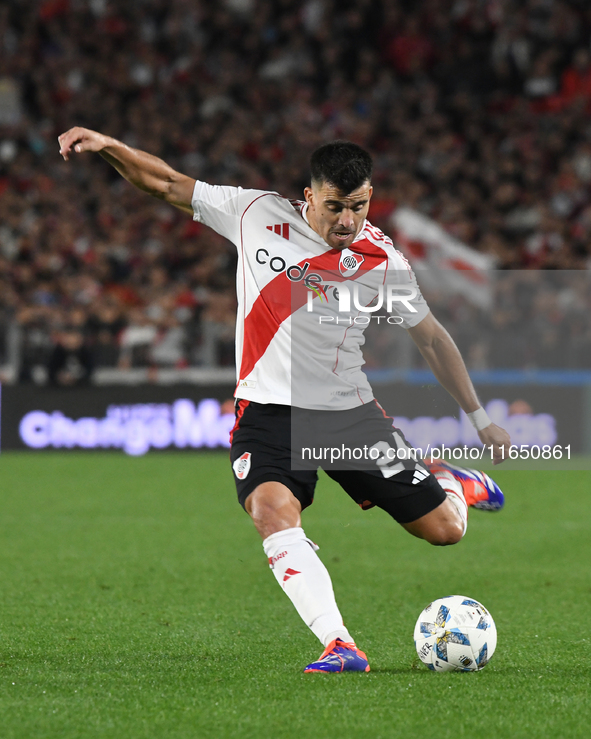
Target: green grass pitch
x=136 y=602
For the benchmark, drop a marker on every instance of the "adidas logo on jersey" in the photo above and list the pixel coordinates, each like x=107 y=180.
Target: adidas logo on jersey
x=419 y=475
x=281 y=229
x=241 y=466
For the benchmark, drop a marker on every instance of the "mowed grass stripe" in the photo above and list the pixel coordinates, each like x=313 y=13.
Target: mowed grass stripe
x=137 y=602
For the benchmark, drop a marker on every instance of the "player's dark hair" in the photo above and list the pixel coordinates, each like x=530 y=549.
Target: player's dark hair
x=341 y=163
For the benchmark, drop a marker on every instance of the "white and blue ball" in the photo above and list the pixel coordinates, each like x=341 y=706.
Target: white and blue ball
x=455 y=633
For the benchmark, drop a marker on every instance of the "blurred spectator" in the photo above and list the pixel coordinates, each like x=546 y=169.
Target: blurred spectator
x=576 y=80
x=218 y=327
x=35 y=329
x=136 y=340
x=70 y=363
x=411 y=51
x=105 y=324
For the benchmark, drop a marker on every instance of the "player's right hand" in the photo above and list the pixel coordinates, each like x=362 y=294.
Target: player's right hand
x=81 y=139
x=498 y=440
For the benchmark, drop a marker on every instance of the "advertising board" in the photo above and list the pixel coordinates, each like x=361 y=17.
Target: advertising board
x=136 y=420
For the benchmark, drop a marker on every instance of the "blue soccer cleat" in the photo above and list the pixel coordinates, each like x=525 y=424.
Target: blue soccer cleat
x=340 y=656
x=480 y=490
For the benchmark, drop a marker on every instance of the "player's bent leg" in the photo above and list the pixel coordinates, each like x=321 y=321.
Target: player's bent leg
x=447 y=523
x=441 y=527
x=431 y=507
x=302 y=575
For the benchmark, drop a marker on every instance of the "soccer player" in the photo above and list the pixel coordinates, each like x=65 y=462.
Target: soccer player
x=307 y=272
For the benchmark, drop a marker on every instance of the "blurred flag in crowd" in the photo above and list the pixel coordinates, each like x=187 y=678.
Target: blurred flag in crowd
x=441 y=262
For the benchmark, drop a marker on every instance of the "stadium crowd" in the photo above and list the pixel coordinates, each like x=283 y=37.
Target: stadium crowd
x=476 y=113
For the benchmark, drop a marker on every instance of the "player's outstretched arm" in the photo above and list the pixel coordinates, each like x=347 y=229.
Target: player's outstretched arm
x=444 y=359
x=138 y=167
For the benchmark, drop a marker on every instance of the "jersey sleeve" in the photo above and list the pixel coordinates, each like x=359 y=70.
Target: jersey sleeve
x=403 y=292
x=221 y=207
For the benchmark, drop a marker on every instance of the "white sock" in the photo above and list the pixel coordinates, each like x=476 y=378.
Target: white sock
x=301 y=574
x=455 y=493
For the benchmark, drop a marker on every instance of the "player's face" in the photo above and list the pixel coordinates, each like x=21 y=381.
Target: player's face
x=336 y=216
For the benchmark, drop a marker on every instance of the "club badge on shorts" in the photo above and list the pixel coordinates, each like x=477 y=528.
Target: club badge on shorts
x=350 y=262
x=241 y=466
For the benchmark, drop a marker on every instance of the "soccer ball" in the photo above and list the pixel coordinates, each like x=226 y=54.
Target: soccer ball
x=455 y=633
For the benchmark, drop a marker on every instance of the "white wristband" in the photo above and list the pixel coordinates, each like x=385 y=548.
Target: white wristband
x=479 y=419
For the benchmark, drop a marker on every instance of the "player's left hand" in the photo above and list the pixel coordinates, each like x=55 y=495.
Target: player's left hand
x=500 y=441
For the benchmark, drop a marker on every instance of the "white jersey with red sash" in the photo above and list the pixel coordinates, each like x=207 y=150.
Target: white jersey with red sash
x=302 y=306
